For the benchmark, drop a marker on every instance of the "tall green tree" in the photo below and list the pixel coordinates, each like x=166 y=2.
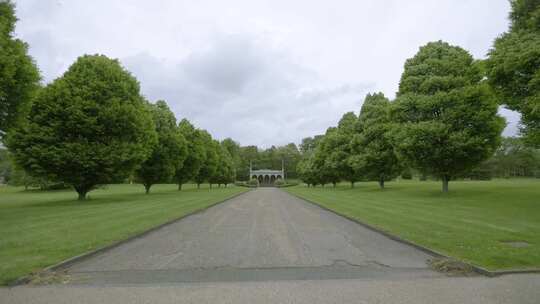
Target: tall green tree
x=248 y=154
x=327 y=167
x=211 y=160
x=343 y=149
x=195 y=154
x=307 y=171
x=447 y=115
x=513 y=67
x=233 y=148
x=169 y=152
x=224 y=173
x=373 y=152
x=19 y=76
x=289 y=155
x=89 y=127
x=334 y=150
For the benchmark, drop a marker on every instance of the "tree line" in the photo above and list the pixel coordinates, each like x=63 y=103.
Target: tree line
x=92 y=126
x=443 y=121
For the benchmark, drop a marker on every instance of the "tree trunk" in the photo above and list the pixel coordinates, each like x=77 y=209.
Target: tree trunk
x=445 y=180
x=179 y=186
x=352 y=184
x=334 y=184
x=82 y=193
x=210 y=185
x=381 y=182
x=198 y=186
x=147 y=188
x=82 y=196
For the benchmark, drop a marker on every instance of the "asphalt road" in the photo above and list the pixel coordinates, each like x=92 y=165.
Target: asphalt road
x=265 y=234
x=267 y=246
x=511 y=289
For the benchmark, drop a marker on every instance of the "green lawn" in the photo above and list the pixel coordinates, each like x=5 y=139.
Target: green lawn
x=38 y=228
x=471 y=222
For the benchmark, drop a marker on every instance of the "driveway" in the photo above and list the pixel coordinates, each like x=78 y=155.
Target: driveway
x=265 y=234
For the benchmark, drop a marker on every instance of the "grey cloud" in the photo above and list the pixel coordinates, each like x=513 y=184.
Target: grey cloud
x=228 y=67
x=239 y=87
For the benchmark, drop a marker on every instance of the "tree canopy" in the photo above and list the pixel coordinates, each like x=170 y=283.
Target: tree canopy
x=19 y=76
x=513 y=66
x=168 y=153
x=89 y=127
x=373 y=153
x=211 y=159
x=447 y=116
x=195 y=153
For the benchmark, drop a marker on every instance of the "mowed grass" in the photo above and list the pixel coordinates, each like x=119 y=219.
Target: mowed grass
x=473 y=222
x=38 y=229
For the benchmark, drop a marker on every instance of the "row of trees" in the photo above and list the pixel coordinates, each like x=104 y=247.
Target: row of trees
x=514 y=158
x=92 y=126
x=444 y=120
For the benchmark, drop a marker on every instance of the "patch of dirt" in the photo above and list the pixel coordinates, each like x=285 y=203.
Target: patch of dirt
x=49 y=277
x=451 y=267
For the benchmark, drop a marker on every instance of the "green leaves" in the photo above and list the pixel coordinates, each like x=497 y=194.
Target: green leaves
x=447 y=129
x=89 y=127
x=525 y=15
x=513 y=67
x=195 y=155
x=19 y=76
x=373 y=152
x=436 y=67
x=168 y=153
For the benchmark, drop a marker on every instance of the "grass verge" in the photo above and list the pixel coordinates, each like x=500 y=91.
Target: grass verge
x=492 y=224
x=38 y=229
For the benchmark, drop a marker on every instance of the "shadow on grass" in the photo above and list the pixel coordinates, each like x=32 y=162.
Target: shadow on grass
x=104 y=198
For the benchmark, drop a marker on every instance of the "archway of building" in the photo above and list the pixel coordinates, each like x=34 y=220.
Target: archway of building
x=267 y=179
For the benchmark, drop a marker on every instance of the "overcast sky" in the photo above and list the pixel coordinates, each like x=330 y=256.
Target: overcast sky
x=262 y=72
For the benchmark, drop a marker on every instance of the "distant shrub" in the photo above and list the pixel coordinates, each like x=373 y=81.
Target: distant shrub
x=240 y=184
x=406 y=175
x=282 y=184
x=254 y=183
x=279 y=183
